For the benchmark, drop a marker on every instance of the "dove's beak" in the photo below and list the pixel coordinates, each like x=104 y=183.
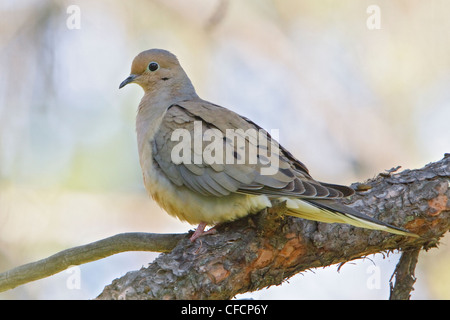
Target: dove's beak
x=128 y=80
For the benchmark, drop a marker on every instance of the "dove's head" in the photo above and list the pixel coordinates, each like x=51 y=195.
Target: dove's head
x=157 y=70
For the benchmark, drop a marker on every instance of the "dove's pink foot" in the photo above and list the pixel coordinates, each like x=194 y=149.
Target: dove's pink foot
x=200 y=231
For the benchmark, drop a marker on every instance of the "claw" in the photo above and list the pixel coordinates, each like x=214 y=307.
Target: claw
x=200 y=231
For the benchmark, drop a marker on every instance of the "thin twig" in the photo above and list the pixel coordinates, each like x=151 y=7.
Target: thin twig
x=133 y=241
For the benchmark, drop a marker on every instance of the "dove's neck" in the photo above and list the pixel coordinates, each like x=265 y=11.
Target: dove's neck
x=161 y=95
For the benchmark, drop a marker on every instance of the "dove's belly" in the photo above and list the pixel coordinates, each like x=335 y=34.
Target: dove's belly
x=194 y=208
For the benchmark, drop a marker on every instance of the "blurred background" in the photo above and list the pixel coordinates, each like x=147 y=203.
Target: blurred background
x=355 y=88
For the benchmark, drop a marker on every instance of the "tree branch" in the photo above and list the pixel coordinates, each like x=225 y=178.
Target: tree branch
x=90 y=252
x=404 y=276
x=265 y=249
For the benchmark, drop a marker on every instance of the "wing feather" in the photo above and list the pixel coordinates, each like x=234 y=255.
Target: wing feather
x=220 y=178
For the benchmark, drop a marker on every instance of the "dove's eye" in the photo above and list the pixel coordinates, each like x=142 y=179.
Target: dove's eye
x=153 y=66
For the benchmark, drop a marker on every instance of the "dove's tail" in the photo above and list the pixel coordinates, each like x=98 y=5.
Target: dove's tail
x=331 y=211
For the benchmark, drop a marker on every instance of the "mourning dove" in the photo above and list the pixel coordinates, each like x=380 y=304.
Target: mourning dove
x=206 y=164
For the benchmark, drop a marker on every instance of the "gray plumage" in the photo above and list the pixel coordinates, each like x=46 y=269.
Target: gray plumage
x=219 y=177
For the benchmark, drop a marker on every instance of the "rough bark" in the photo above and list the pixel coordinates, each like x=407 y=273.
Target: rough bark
x=265 y=249
x=404 y=275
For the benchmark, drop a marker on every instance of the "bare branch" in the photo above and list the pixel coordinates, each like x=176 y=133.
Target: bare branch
x=266 y=249
x=404 y=276
x=90 y=252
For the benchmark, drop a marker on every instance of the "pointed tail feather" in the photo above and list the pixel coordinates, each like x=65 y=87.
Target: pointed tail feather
x=331 y=211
